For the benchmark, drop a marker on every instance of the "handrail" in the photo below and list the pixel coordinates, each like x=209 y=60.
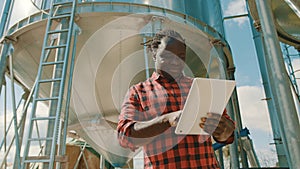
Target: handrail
x=39 y=8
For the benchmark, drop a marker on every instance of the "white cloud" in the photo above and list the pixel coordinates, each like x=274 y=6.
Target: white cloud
x=21 y=9
x=255 y=117
x=254 y=111
x=267 y=157
x=11 y=133
x=236 y=7
x=296 y=67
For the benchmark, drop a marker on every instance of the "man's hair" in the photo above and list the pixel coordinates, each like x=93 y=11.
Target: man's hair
x=153 y=44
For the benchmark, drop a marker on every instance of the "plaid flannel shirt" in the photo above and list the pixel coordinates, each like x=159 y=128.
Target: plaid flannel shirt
x=155 y=97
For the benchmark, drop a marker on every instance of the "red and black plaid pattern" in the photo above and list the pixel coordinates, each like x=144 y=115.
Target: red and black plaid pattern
x=152 y=98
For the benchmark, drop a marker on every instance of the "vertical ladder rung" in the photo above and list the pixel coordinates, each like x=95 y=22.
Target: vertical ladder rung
x=60 y=16
x=40 y=139
x=49 y=80
x=37 y=161
x=63 y=13
x=47 y=99
x=52 y=63
x=44 y=118
x=54 y=47
x=34 y=159
x=58 y=31
x=63 y=3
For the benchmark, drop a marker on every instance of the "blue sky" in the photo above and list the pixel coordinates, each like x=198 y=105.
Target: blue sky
x=250 y=92
x=254 y=111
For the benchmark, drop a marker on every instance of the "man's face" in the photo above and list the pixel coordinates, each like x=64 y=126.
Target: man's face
x=170 y=58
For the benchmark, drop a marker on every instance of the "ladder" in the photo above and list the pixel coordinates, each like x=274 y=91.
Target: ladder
x=291 y=72
x=50 y=86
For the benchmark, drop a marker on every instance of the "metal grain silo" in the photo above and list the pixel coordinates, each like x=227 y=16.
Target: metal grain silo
x=109 y=57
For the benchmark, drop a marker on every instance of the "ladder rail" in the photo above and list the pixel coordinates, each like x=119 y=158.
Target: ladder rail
x=62 y=84
x=66 y=118
x=290 y=70
x=60 y=69
x=13 y=102
x=36 y=91
x=3 y=61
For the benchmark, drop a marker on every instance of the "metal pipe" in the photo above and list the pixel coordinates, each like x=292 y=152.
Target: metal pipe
x=77 y=31
x=13 y=103
x=233 y=147
x=4 y=18
x=221 y=159
x=284 y=102
x=238 y=120
x=3 y=62
x=6 y=129
x=234 y=154
x=294 y=5
x=102 y=162
x=85 y=161
x=220 y=23
x=20 y=130
x=5 y=134
x=235 y=16
x=82 y=149
x=259 y=46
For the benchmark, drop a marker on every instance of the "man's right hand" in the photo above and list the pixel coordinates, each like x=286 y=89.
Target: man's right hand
x=172 y=118
x=145 y=131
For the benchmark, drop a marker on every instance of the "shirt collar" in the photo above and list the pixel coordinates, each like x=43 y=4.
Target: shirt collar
x=157 y=77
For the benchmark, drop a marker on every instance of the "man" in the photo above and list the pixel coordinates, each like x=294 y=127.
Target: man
x=151 y=108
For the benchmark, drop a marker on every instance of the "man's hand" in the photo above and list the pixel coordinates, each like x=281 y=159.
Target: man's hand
x=144 y=132
x=172 y=118
x=218 y=126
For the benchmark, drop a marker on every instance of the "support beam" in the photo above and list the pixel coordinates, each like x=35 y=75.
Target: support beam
x=4 y=18
x=3 y=63
x=237 y=115
x=260 y=51
x=281 y=89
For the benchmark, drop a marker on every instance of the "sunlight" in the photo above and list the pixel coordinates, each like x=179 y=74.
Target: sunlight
x=21 y=8
x=293 y=7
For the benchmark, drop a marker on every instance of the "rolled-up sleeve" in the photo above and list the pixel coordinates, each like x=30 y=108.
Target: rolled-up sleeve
x=128 y=116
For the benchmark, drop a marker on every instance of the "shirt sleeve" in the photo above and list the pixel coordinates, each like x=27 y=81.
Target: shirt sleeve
x=231 y=138
x=130 y=108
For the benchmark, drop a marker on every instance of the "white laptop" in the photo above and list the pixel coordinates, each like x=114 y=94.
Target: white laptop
x=206 y=95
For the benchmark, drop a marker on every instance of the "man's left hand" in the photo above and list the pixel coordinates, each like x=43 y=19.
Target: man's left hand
x=218 y=126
